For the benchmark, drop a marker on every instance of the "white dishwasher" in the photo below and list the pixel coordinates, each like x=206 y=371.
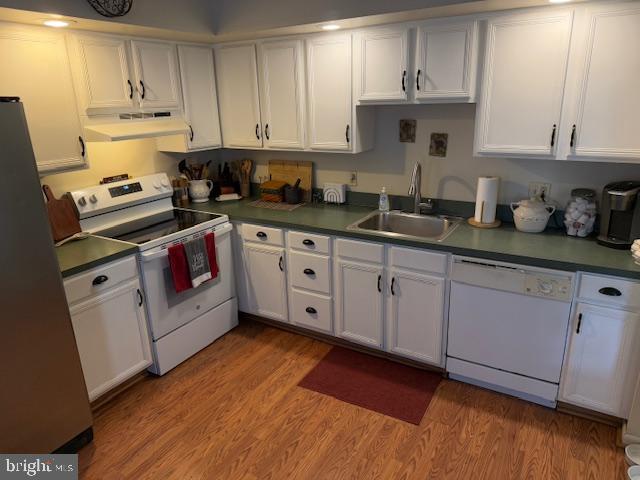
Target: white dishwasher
x=508 y=327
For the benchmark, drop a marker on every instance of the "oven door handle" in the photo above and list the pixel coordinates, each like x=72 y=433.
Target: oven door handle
x=155 y=254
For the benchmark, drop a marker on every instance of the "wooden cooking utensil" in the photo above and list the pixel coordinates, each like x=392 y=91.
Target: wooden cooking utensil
x=62 y=215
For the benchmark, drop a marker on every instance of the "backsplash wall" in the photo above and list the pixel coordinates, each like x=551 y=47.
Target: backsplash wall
x=453 y=177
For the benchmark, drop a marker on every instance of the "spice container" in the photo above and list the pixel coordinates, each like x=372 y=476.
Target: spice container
x=580 y=214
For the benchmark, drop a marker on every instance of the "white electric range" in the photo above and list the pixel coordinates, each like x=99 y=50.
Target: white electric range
x=140 y=211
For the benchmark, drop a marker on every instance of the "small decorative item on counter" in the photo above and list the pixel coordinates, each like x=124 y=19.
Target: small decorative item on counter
x=272 y=191
x=635 y=251
x=531 y=216
x=245 y=177
x=199 y=190
x=293 y=193
x=334 y=192
x=383 y=200
x=180 y=192
x=580 y=214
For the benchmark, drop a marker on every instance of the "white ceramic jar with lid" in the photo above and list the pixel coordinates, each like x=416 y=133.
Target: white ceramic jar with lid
x=532 y=215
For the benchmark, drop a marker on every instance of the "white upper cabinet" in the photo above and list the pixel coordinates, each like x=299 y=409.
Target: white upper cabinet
x=446 y=61
x=329 y=92
x=104 y=81
x=156 y=69
x=238 y=96
x=35 y=67
x=603 y=121
x=281 y=67
x=522 y=89
x=381 y=59
x=200 y=102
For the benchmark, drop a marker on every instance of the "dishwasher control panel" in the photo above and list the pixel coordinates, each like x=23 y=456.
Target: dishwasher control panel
x=548 y=286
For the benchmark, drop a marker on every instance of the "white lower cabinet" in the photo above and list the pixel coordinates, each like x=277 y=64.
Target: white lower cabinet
x=266 y=281
x=110 y=325
x=601 y=363
x=415 y=315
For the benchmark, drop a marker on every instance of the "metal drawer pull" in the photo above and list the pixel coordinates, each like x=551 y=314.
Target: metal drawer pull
x=139 y=297
x=379 y=286
x=610 y=291
x=130 y=88
x=280 y=264
x=418 y=79
x=142 y=90
x=579 y=324
x=100 y=279
x=308 y=271
x=308 y=243
x=553 y=135
x=261 y=235
x=393 y=281
x=311 y=310
x=572 y=141
x=404 y=74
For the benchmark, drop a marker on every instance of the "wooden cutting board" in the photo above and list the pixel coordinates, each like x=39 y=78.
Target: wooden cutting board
x=291 y=170
x=62 y=215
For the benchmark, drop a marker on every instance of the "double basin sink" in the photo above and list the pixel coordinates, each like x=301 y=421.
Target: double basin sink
x=407 y=225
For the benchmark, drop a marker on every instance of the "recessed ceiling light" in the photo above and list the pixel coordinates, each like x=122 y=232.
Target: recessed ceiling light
x=330 y=26
x=56 y=23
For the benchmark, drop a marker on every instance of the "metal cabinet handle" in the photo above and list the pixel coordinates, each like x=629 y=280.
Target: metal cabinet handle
x=579 y=324
x=346 y=134
x=266 y=131
x=83 y=150
x=379 y=286
x=310 y=310
x=261 y=235
x=418 y=79
x=573 y=136
x=393 y=282
x=190 y=133
x=130 y=88
x=308 y=243
x=258 y=131
x=404 y=74
x=610 y=291
x=99 y=280
x=553 y=135
x=142 y=89
x=308 y=271
x=280 y=264
x=140 y=300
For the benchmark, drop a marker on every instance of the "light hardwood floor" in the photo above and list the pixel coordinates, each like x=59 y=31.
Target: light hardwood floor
x=234 y=411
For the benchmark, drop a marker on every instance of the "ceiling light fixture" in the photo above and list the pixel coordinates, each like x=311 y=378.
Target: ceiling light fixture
x=56 y=23
x=330 y=26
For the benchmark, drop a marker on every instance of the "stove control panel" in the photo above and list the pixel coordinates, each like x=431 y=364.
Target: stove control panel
x=92 y=201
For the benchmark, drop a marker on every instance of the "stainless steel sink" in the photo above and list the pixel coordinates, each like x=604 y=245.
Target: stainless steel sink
x=406 y=225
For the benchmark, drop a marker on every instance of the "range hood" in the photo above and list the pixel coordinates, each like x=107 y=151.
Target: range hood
x=134 y=126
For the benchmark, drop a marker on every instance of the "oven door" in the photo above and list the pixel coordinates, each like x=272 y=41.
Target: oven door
x=168 y=310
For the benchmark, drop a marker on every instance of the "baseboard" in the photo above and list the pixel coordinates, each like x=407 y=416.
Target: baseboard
x=323 y=337
x=626 y=437
x=101 y=401
x=589 y=414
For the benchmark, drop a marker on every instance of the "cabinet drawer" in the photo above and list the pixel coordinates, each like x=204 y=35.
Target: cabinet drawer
x=309 y=242
x=615 y=291
x=368 y=252
x=311 y=310
x=99 y=279
x=418 y=260
x=309 y=271
x=266 y=235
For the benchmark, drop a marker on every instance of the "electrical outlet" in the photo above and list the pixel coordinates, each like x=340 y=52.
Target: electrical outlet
x=539 y=189
x=353 y=179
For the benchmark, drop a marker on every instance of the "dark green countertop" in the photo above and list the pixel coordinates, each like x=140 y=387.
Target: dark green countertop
x=80 y=255
x=551 y=249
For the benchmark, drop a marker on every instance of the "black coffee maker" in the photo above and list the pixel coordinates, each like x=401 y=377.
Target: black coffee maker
x=620 y=215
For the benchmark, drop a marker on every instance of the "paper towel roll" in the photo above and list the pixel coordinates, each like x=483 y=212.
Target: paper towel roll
x=487 y=199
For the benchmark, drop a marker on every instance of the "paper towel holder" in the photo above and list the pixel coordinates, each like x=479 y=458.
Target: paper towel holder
x=472 y=221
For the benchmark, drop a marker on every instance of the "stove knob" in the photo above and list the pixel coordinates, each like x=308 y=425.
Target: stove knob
x=156 y=185
x=82 y=201
x=93 y=199
x=165 y=183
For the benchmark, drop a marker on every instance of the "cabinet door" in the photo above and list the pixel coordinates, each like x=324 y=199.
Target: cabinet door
x=601 y=365
x=112 y=337
x=329 y=89
x=156 y=69
x=524 y=72
x=414 y=323
x=199 y=96
x=282 y=94
x=446 y=61
x=242 y=275
x=238 y=96
x=382 y=64
x=360 y=300
x=266 y=281
x=102 y=74
x=35 y=67
x=608 y=101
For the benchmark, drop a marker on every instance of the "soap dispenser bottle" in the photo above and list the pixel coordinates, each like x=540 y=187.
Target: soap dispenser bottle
x=383 y=202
